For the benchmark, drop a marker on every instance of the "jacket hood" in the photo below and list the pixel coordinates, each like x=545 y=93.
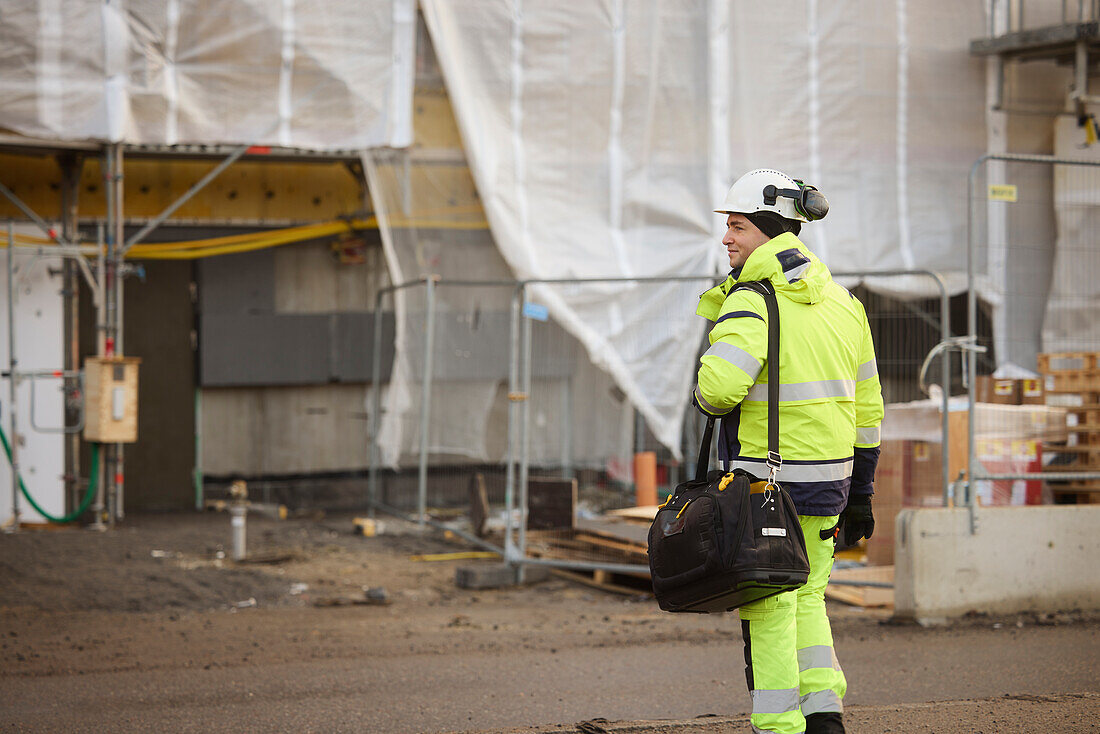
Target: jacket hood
x=793 y=270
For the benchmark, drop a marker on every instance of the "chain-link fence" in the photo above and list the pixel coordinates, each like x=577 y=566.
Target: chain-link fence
x=1034 y=391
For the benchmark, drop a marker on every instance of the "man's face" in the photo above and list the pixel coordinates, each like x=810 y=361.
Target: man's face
x=742 y=237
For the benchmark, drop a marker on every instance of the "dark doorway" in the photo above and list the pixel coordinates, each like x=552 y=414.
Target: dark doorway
x=159 y=321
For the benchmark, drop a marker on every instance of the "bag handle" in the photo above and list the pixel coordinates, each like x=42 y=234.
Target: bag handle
x=774 y=460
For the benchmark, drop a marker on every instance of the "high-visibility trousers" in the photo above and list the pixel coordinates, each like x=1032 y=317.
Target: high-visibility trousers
x=790 y=664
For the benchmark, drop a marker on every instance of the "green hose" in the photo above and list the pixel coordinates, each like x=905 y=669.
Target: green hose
x=75 y=514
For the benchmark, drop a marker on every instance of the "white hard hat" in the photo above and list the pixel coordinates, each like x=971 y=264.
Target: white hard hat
x=765 y=190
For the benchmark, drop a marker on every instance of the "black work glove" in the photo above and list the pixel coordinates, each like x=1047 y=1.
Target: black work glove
x=856 y=521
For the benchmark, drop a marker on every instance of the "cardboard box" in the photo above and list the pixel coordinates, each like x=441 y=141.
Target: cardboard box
x=1009 y=391
x=1032 y=393
x=992 y=390
x=889 y=492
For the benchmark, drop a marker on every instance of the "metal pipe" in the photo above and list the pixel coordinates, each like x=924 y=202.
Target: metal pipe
x=196 y=472
x=567 y=427
x=525 y=441
x=46 y=228
x=1052 y=476
x=111 y=275
x=101 y=338
x=513 y=423
x=12 y=380
x=426 y=398
x=119 y=479
x=1081 y=71
x=237 y=513
x=945 y=376
x=71 y=166
x=184 y=198
x=101 y=286
x=972 y=333
x=376 y=404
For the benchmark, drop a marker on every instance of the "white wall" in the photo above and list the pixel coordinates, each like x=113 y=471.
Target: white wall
x=1039 y=558
x=39 y=345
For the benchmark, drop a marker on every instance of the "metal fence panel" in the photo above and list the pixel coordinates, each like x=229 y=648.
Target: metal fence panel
x=1035 y=268
x=523 y=432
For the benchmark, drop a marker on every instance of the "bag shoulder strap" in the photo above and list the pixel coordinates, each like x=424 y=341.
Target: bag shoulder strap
x=767 y=292
x=774 y=460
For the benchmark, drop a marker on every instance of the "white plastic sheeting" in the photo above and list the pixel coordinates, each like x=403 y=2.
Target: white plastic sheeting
x=577 y=417
x=601 y=135
x=323 y=75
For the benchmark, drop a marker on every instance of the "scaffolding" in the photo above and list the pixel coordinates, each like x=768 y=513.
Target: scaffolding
x=103 y=268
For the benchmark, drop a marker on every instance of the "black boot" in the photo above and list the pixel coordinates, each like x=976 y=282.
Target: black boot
x=825 y=722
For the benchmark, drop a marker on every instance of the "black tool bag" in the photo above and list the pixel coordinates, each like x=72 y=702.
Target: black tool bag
x=721 y=541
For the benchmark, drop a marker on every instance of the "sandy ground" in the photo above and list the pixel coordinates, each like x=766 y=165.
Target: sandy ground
x=148 y=627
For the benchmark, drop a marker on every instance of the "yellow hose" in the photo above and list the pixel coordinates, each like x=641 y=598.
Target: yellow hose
x=232 y=244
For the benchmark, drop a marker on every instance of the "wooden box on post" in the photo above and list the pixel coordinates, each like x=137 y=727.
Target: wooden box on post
x=111 y=399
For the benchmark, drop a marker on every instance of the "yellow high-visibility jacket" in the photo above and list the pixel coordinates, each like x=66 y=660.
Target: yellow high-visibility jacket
x=830 y=400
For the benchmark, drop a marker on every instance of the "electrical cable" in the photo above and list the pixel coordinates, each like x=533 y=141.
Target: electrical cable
x=75 y=514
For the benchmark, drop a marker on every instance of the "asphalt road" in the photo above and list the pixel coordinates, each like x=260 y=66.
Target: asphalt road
x=463 y=690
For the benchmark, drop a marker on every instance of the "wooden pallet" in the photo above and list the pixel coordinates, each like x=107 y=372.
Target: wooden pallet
x=1082 y=417
x=1076 y=383
x=624 y=584
x=1072 y=373
x=1084 y=457
x=579 y=545
x=1055 y=362
x=1078 y=486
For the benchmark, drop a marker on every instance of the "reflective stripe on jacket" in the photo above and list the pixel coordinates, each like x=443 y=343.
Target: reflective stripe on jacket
x=830 y=400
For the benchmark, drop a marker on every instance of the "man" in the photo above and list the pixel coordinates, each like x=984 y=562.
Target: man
x=830 y=408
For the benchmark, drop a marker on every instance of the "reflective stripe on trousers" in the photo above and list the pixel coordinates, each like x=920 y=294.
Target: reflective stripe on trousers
x=789 y=646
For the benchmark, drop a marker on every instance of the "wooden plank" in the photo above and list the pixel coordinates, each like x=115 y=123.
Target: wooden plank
x=616 y=545
x=600 y=582
x=1072 y=382
x=862 y=596
x=643 y=512
x=479 y=504
x=615 y=529
x=1055 y=362
x=593 y=549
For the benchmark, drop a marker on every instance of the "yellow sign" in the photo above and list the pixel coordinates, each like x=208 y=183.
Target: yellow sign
x=1002 y=192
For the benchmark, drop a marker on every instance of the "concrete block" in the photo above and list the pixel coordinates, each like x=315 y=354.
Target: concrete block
x=1035 y=558
x=497 y=575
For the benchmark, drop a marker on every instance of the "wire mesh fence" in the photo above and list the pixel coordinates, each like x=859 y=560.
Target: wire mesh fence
x=498 y=422
x=1035 y=395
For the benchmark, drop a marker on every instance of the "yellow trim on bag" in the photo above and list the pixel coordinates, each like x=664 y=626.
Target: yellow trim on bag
x=681 y=512
x=725 y=482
